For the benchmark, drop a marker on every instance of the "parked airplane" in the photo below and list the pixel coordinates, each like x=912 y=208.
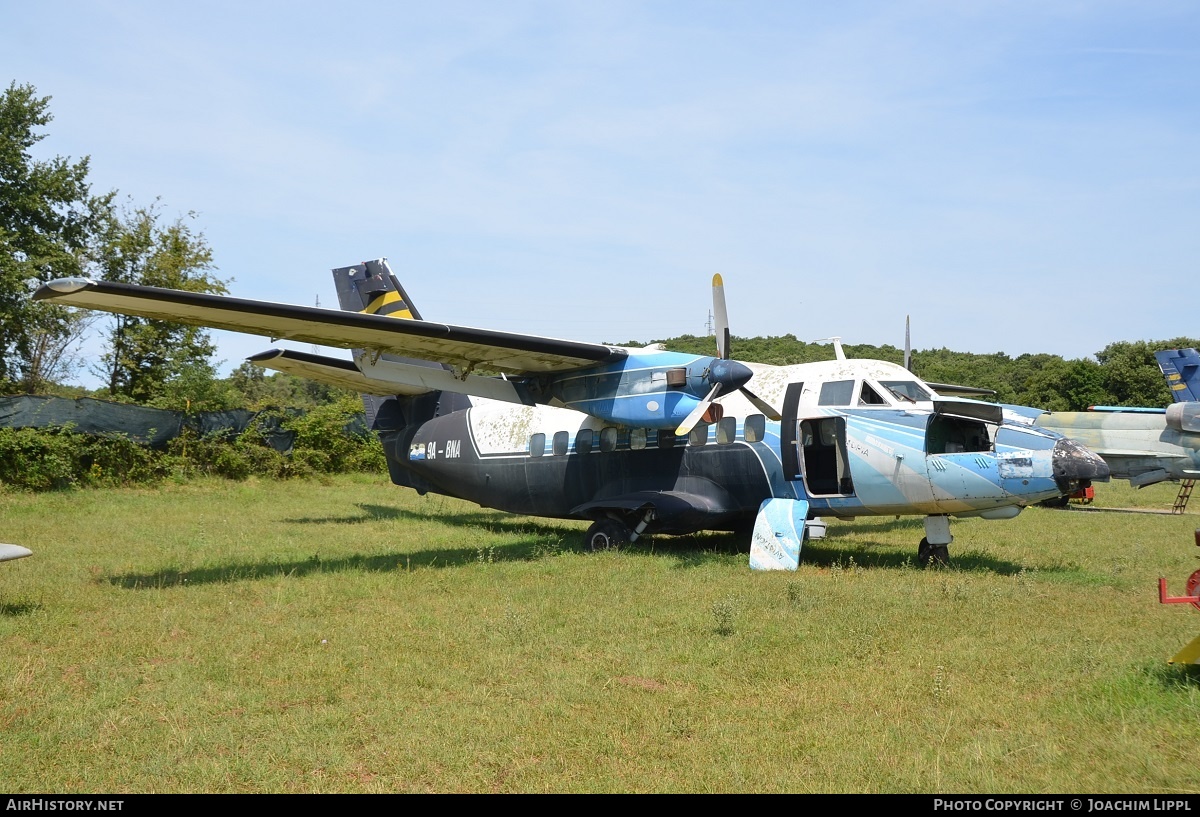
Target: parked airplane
x=1144 y=445
x=642 y=440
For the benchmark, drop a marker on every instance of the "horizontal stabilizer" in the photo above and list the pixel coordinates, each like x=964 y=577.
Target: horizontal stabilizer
x=330 y=370
x=388 y=377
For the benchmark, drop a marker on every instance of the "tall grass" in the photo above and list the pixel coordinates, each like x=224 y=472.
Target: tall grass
x=349 y=636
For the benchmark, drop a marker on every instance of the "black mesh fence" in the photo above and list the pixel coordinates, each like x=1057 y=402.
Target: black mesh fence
x=148 y=426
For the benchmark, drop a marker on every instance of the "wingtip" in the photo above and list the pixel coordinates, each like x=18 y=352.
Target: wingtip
x=61 y=286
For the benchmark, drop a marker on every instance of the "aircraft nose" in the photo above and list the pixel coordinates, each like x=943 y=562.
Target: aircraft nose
x=730 y=374
x=1075 y=466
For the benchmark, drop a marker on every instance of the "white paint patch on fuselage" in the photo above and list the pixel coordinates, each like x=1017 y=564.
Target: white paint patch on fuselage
x=771 y=382
x=501 y=428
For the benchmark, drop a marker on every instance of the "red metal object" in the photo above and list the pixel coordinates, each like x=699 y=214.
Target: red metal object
x=1192 y=597
x=1192 y=588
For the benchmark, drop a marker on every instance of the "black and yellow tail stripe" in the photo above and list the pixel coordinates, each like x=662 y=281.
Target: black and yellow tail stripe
x=390 y=304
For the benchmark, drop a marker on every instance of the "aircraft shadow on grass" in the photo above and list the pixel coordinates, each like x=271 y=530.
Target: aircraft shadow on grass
x=538 y=540
x=12 y=609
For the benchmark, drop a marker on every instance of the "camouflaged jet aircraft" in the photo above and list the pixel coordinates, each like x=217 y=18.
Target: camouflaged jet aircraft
x=1143 y=445
x=642 y=441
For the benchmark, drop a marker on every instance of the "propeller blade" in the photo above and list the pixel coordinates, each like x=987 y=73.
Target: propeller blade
x=690 y=421
x=761 y=404
x=907 y=346
x=720 y=318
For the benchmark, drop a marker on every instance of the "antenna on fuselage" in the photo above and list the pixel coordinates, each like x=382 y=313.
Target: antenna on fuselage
x=837 y=346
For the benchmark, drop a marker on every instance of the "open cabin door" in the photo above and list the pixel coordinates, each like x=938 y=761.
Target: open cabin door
x=814 y=448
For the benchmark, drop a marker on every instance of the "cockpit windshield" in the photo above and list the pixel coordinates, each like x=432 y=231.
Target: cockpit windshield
x=907 y=391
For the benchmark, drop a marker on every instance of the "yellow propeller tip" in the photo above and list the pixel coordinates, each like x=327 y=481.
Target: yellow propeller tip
x=717 y=280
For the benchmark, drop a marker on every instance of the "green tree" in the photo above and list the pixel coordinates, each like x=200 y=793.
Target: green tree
x=48 y=222
x=259 y=390
x=149 y=360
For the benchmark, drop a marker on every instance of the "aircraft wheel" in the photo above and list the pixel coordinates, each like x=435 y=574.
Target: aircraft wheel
x=937 y=555
x=605 y=534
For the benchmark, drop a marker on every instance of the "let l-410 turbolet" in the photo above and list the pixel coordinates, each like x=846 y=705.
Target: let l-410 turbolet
x=642 y=440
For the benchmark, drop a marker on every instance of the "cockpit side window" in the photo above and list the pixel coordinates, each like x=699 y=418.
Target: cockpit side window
x=867 y=396
x=836 y=393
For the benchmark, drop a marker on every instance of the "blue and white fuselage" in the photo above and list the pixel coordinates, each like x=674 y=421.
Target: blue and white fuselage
x=909 y=452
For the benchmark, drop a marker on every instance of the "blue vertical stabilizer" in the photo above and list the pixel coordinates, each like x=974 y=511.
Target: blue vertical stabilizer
x=1181 y=368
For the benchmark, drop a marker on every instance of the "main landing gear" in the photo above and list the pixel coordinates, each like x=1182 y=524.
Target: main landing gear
x=611 y=533
x=606 y=534
x=935 y=547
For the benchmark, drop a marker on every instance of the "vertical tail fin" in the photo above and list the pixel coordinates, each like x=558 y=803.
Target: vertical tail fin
x=1181 y=368
x=372 y=288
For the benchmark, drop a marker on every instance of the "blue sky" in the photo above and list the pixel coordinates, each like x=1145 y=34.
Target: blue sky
x=1016 y=176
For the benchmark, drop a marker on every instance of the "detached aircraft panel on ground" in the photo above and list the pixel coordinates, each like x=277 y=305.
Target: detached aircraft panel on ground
x=644 y=440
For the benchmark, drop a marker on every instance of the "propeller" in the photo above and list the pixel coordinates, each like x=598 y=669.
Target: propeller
x=907 y=345
x=945 y=389
x=725 y=374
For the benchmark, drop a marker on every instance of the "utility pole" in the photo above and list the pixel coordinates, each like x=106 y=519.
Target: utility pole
x=316 y=349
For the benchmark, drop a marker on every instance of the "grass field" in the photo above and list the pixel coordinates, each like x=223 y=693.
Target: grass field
x=350 y=636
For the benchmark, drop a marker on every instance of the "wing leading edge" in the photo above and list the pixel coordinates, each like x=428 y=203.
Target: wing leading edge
x=459 y=346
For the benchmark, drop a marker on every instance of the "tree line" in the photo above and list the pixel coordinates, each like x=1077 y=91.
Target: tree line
x=1124 y=373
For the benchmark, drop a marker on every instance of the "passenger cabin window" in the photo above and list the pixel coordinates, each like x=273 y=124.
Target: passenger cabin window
x=637 y=438
x=726 y=430
x=836 y=393
x=755 y=428
x=666 y=438
x=867 y=396
x=561 y=440
x=583 y=441
x=537 y=445
x=608 y=439
x=698 y=435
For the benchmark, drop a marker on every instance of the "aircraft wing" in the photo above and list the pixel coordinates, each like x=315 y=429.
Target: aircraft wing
x=458 y=346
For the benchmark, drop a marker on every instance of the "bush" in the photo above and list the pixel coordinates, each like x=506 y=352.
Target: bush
x=328 y=440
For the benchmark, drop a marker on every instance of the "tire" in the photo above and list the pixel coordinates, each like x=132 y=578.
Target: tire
x=605 y=534
x=935 y=555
